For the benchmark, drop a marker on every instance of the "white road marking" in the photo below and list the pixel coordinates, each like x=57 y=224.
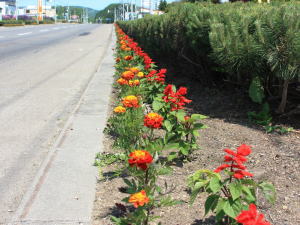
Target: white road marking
x=1 y=37
x=55 y=28
x=45 y=30
x=24 y=33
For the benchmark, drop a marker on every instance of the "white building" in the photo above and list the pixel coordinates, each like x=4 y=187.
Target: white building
x=8 y=7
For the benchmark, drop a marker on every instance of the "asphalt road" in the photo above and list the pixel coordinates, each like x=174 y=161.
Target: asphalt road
x=43 y=72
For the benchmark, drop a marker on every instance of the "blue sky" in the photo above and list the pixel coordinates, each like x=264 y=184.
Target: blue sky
x=95 y=4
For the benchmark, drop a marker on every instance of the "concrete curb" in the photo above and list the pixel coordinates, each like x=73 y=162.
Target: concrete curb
x=63 y=191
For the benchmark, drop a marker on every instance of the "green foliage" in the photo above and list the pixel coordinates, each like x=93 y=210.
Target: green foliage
x=242 y=40
x=162 y=5
x=107 y=14
x=256 y=90
x=227 y=197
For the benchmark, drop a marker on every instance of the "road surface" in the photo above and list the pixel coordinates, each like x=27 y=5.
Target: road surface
x=43 y=72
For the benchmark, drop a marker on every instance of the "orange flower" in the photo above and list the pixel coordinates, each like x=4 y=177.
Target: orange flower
x=128 y=75
x=128 y=57
x=122 y=81
x=153 y=120
x=127 y=49
x=134 y=83
x=120 y=109
x=140 y=75
x=134 y=70
x=130 y=101
x=140 y=158
x=118 y=59
x=123 y=47
x=139 y=199
x=122 y=42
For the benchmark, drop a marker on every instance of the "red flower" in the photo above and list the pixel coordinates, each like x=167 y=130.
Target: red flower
x=140 y=158
x=153 y=120
x=237 y=159
x=177 y=99
x=251 y=217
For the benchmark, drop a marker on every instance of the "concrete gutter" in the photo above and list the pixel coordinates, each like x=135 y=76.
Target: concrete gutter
x=63 y=191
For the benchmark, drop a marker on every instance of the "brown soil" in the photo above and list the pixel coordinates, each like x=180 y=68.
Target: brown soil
x=275 y=158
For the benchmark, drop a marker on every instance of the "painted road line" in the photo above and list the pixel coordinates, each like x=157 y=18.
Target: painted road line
x=56 y=28
x=45 y=30
x=24 y=33
x=1 y=37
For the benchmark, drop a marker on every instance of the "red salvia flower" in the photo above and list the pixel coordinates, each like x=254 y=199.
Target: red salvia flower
x=177 y=99
x=251 y=217
x=237 y=159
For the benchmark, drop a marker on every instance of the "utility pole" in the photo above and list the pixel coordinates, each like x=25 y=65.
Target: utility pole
x=16 y=13
x=68 y=11
x=55 y=16
x=115 y=15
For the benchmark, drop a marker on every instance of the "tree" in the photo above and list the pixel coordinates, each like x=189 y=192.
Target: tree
x=162 y=5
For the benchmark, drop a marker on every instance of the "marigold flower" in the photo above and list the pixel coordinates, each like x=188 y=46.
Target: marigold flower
x=133 y=83
x=140 y=75
x=127 y=49
x=120 y=109
x=127 y=75
x=134 y=70
x=139 y=199
x=128 y=57
x=122 y=81
x=153 y=120
x=251 y=217
x=118 y=59
x=123 y=47
x=140 y=158
x=237 y=159
x=130 y=101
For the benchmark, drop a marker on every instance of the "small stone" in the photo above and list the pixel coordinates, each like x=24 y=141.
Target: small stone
x=284 y=207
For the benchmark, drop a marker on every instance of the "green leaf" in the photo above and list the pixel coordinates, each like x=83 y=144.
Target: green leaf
x=172 y=156
x=215 y=184
x=235 y=190
x=248 y=194
x=196 y=133
x=168 y=125
x=256 y=90
x=198 y=117
x=196 y=189
x=268 y=191
x=156 y=105
x=228 y=209
x=220 y=205
x=184 y=150
x=171 y=146
x=211 y=203
x=199 y=126
x=180 y=115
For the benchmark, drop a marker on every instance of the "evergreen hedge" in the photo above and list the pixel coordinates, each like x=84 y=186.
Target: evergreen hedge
x=249 y=42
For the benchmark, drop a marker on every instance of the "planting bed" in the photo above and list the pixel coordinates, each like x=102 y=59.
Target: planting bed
x=274 y=158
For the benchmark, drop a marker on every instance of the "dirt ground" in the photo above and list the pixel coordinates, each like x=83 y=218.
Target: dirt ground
x=275 y=158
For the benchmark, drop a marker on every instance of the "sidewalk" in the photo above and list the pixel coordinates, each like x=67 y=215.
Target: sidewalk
x=63 y=191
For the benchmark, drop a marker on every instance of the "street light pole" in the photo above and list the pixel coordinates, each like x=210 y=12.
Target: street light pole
x=16 y=13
